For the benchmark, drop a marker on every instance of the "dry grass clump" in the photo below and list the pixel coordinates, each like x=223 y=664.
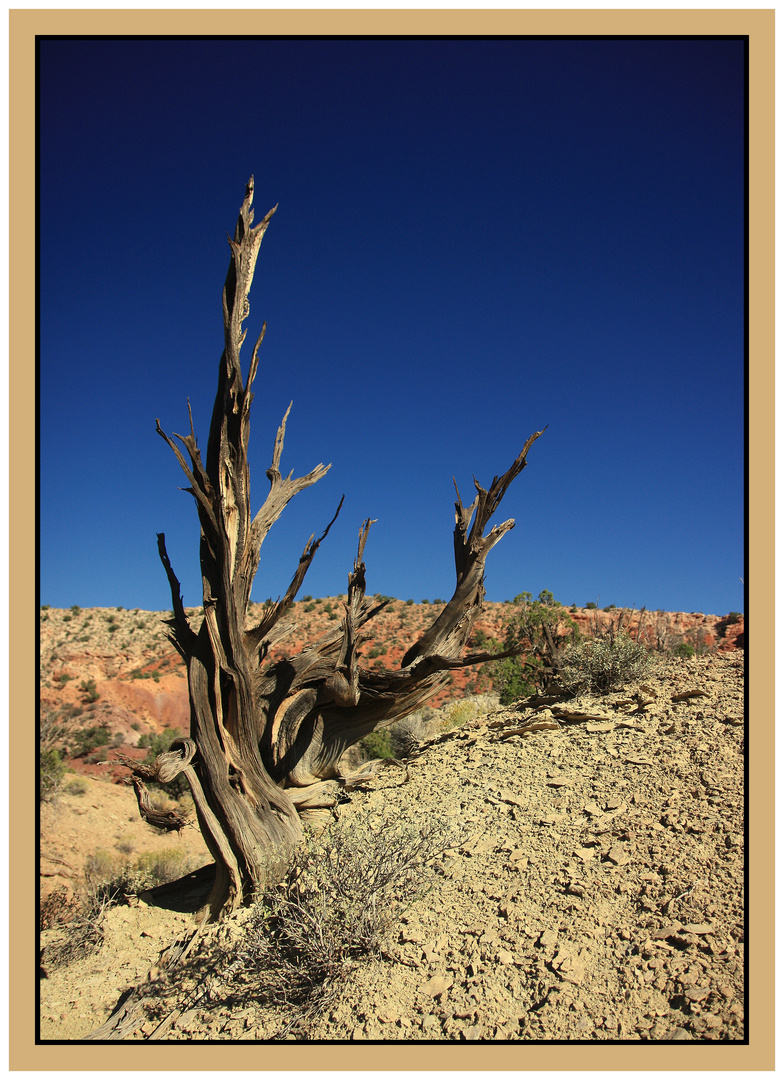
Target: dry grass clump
x=79 y=920
x=343 y=892
x=458 y=713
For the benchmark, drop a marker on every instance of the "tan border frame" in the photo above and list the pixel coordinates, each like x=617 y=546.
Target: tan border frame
x=758 y=1055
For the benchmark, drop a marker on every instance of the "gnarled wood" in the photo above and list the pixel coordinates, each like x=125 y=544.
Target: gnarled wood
x=265 y=739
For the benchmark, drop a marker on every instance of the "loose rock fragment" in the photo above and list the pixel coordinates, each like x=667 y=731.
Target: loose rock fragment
x=436 y=986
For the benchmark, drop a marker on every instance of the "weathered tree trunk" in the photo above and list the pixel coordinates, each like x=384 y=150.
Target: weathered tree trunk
x=265 y=740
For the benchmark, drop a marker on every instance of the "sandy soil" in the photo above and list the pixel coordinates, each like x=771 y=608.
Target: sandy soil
x=598 y=894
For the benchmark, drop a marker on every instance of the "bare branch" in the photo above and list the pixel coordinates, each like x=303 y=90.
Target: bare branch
x=185 y=636
x=272 y=614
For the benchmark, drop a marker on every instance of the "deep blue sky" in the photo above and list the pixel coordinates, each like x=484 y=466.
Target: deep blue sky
x=474 y=239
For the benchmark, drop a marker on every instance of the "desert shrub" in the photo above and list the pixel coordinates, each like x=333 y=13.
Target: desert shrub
x=512 y=680
x=79 y=919
x=112 y=879
x=377 y=744
x=89 y=739
x=159 y=867
x=409 y=603
x=458 y=713
x=58 y=907
x=89 y=689
x=604 y=664
x=535 y=627
x=50 y=775
x=75 y=609
x=77 y=787
x=733 y=617
x=310 y=607
x=406 y=734
x=684 y=650
x=610 y=607
x=698 y=639
x=108 y=880
x=343 y=892
x=306 y=599
x=591 y=605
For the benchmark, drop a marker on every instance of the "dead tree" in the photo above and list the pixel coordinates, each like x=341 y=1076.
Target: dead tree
x=266 y=738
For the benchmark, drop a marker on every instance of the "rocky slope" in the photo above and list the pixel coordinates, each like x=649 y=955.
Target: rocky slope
x=596 y=892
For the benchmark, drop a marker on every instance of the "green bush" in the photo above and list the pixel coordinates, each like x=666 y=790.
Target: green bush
x=89 y=739
x=50 y=775
x=591 y=605
x=377 y=744
x=89 y=690
x=604 y=664
x=409 y=603
x=685 y=650
x=733 y=617
x=511 y=680
x=531 y=626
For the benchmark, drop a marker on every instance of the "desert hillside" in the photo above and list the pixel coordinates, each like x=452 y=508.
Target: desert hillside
x=112 y=672
x=592 y=889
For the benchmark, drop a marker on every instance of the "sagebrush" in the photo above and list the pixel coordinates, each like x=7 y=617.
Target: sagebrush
x=604 y=664
x=343 y=892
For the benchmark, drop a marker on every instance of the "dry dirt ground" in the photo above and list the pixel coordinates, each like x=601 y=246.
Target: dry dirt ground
x=597 y=894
